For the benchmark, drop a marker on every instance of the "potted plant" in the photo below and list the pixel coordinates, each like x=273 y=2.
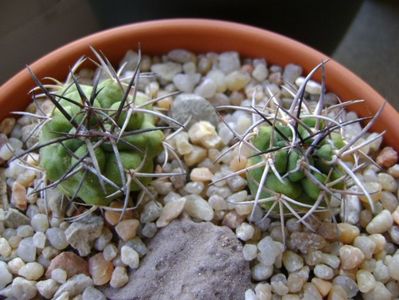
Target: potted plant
x=201 y=36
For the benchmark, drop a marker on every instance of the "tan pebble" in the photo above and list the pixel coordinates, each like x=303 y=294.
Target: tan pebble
x=70 y=263
x=365 y=218
x=201 y=174
x=337 y=293
x=347 y=232
x=323 y=286
x=15 y=265
x=395 y=216
x=237 y=80
x=238 y=163
x=328 y=230
x=119 y=277
x=375 y=191
x=365 y=281
x=387 y=157
x=171 y=211
x=351 y=257
x=394 y=171
x=380 y=223
x=100 y=269
x=232 y=220
x=7 y=125
x=127 y=229
x=263 y=291
x=31 y=271
x=196 y=155
x=388 y=182
x=18 y=196
x=198 y=208
x=112 y=217
x=204 y=133
x=183 y=146
x=165 y=103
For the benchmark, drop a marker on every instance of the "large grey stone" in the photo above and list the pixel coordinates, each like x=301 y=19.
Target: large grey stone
x=192 y=106
x=188 y=260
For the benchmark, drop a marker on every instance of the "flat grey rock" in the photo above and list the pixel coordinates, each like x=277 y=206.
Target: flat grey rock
x=188 y=260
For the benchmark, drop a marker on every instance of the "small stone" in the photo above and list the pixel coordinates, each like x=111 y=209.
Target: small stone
x=187 y=82
x=365 y=244
x=7 y=125
x=323 y=286
x=381 y=272
x=127 y=229
x=39 y=240
x=337 y=292
x=110 y=252
x=269 y=251
x=91 y=293
x=389 y=201
x=387 y=182
x=27 y=250
x=198 y=208
x=365 y=281
x=217 y=203
x=351 y=257
x=278 y=283
x=263 y=291
x=5 y=249
x=22 y=288
x=119 y=277
x=15 y=218
x=103 y=239
x=395 y=216
x=59 y=275
x=295 y=282
x=379 y=241
x=237 y=80
x=100 y=269
x=348 y=284
x=69 y=262
x=149 y=230
x=245 y=231
x=74 y=285
x=24 y=231
x=387 y=157
x=291 y=73
x=62 y=296
x=31 y=271
x=236 y=183
x=15 y=264
x=229 y=62
x=194 y=187
x=347 y=232
x=18 y=196
x=195 y=107
x=260 y=72
x=312 y=87
x=203 y=133
x=207 y=88
x=130 y=257
x=171 y=211
x=261 y=272
x=5 y=275
x=197 y=155
x=112 y=217
x=181 y=56
x=249 y=252
x=81 y=234
x=394 y=171
x=232 y=220
x=380 y=223
x=292 y=261
x=49 y=252
x=306 y=242
x=57 y=238
x=379 y=292
x=183 y=145
x=324 y=272
x=47 y=288
x=250 y=295
x=394 y=234
x=39 y=222
x=166 y=70
x=393 y=267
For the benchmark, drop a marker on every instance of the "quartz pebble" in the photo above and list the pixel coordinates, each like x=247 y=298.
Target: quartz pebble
x=198 y=208
x=171 y=211
x=351 y=257
x=127 y=229
x=130 y=257
x=324 y=272
x=100 y=269
x=57 y=238
x=245 y=231
x=365 y=244
x=166 y=70
x=365 y=281
x=260 y=272
x=393 y=267
x=292 y=261
x=250 y=295
x=39 y=222
x=31 y=271
x=5 y=275
x=380 y=223
x=110 y=252
x=47 y=288
x=22 y=288
x=229 y=62
x=91 y=293
x=27 y=250
x=322 y=286
x=74 y=285
x=5 y=249
x=24 y=231
x=71 y=263
x=149 y=230
x=186 y=82
x=59 y=275
x=387 y=157
x=39 y=240
x=15 y=264
x=201 y=174
x=337 y=292
x=249 y=252
x=348 y=284
x=379 y=292
x=347 y=232
x=119 y=277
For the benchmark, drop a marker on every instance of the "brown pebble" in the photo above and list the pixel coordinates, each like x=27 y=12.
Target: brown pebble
x=127 y=229
x=7 y=125
x=387 y=157
x=112 y=217
x=71 y=263
x=100 y=269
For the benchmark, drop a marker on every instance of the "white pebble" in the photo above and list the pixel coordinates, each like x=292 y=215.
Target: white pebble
x=110 y=251
x=380 y=223
x=5 y=275
x=91 y=293
x=292 y=261
x=119 y=277
x=181 y=56
x=237 y=80
x=324 y=272
x=198 y=208
x=381 y=272
x=250 y=295
x=130 y=257
x=229 y=61
x=207 y=88
x=27 y=250
x=194 y=187
x=245 y=231
x=5 y=249
x=57 y=238
x=365 y=244
x=249 y=252
x=39 y=240
x=47 y=288
x=166 y=70
x=393 y=267
x=379 y=292
x=24 y=231
x=312 y=87
x=149 y=230
x=260 y=72
x=171 y=211
x=219 y=79
x=260 y=272
x=59 y=275
x=365 y=281
x=186 y=82
x=387 y=182
x=269 y=251
x=39 y=222
x=31 y=271
x=22 y=288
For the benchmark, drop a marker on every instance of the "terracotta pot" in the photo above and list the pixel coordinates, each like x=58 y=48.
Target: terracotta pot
x=198 y=35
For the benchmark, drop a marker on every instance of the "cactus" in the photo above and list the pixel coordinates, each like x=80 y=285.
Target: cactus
x=299 y=155
x=100 y=141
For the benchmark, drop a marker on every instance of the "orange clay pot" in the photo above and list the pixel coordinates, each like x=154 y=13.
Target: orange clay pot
x=198 y=35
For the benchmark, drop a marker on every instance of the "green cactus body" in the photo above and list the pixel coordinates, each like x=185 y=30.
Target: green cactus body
x=58 y=158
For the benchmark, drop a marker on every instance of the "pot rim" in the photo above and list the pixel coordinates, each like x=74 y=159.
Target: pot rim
x=201 y=35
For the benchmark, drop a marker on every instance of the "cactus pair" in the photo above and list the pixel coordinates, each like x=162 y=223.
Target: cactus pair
x=100 y=141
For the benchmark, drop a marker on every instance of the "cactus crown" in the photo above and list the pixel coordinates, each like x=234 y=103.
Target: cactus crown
x=100 y=140
x=300 y=159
